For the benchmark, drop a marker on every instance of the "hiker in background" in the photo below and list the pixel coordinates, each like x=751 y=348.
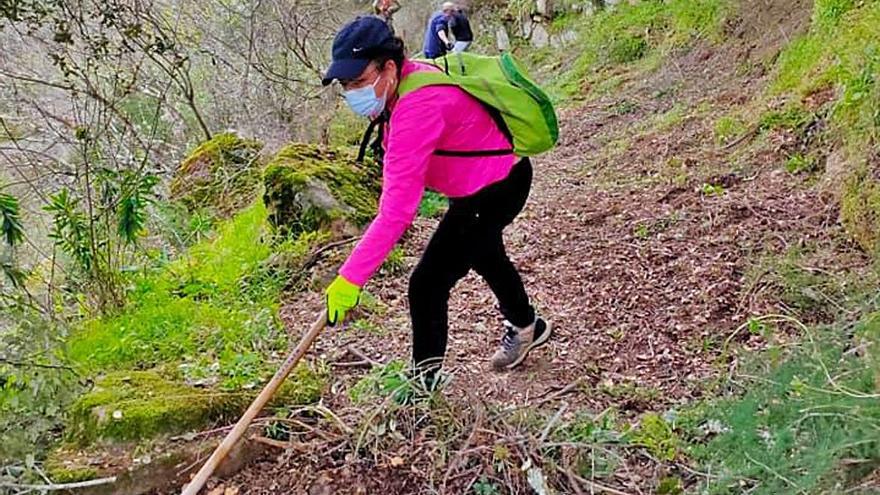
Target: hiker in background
x=486 y=191
x=386 y=9
x=437 y=40
x=461 y=30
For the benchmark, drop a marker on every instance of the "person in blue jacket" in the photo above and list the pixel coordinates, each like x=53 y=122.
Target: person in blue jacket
x=437 y=40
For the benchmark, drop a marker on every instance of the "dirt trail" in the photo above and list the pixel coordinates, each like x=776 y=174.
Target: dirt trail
x=640 y=266
x=637 y=266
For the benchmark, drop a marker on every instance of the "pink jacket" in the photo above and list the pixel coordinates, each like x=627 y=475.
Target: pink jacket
x=427 y=119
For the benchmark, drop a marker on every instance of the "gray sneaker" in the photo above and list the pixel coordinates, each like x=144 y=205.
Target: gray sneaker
x=517 y=342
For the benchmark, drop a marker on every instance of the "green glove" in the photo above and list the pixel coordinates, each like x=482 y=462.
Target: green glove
x=342 y=295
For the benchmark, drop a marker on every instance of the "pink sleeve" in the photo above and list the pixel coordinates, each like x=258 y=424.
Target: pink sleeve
x=415 y=128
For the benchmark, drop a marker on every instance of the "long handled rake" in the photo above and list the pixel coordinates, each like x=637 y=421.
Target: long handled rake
x=244 y=422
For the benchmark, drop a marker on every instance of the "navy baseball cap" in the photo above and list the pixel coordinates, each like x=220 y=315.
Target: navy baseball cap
x=353 y=46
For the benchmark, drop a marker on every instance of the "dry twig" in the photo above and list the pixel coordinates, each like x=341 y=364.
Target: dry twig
x=63 y=486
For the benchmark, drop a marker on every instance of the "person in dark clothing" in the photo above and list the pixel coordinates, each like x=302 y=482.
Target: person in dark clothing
x=437 y=40
x=461 y=31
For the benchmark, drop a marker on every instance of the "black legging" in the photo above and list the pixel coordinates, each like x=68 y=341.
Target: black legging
x=469 y=236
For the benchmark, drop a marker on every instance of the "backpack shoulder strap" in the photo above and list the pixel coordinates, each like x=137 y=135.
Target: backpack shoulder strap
x=422 y=78
x=379 y=123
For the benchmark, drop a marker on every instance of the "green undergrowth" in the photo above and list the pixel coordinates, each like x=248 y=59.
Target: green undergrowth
x=803 y=414
x=860 y=207
x=804 y=420
x=203 y=328
x=827 y=80
x=805 y=280
x=433 y=205
x=194 y=303
x=841 y=53
x=381 y=381
x=631 y=32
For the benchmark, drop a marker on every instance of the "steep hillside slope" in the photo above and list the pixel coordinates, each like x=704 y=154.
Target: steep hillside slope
x=688 y=238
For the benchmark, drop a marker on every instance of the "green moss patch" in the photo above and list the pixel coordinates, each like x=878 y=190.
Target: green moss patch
x=140 y=404
x=135 y=405
x=860 y=210
x=62 y=467
x=222 y=173
x=311 y=188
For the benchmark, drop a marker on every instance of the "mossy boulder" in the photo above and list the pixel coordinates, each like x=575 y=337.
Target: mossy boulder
x=222 y=174
x=137 y=405
x=860 y=208
x=311 y=188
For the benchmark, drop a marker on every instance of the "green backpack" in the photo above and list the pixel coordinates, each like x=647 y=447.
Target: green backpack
x=502 y=85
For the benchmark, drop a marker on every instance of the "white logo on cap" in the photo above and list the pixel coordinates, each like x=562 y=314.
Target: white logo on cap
x=355 y=50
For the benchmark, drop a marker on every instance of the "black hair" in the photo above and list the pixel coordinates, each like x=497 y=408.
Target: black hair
x=394 y=50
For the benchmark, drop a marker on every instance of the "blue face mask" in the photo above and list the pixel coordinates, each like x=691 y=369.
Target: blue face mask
x=364 y=102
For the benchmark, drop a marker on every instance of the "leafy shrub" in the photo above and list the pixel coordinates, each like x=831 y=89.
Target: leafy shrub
x=655 y=434
x=798 y=163
x=35 y=386
x=433 y=205
x=627 y=49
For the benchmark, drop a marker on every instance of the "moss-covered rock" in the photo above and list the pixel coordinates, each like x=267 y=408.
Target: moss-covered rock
x=136 y=405
x=860 y=208
x=140 y=404
x=310 y=188
x=222 y=173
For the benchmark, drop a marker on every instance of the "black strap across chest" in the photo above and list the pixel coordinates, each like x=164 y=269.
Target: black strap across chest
x=385 y=117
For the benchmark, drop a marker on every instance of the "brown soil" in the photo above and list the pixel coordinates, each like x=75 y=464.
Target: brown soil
x=643 y=269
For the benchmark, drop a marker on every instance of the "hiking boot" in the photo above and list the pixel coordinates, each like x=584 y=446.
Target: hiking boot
x=517 y=342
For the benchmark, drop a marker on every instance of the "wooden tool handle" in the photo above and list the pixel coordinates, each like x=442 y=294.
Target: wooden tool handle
x=244 y=422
